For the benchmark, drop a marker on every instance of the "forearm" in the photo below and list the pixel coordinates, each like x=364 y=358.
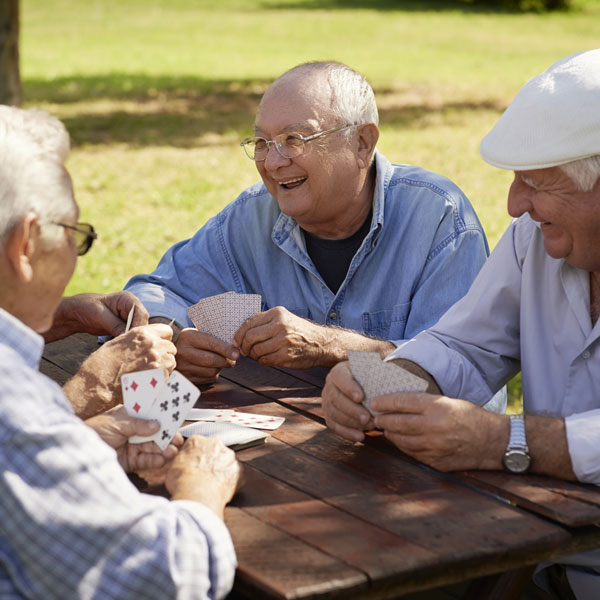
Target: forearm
x=64 y=323
x=547 y=441
x=209 y=496
x=335 y=343
x=88 y=394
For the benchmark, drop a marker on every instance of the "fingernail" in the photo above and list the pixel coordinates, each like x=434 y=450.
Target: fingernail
x=364 y=419
x=235 y=354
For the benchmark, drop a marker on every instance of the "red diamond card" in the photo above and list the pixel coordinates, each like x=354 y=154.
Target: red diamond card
x=140 y=391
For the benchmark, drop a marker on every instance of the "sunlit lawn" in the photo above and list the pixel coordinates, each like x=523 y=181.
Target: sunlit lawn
x=157 y=94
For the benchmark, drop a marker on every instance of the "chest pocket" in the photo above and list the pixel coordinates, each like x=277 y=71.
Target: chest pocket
x=389 y=323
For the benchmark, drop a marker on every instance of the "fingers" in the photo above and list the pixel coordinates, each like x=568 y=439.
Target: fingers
x=341 y=404
x=252 y=331
x=201 y=357
x=405 y=402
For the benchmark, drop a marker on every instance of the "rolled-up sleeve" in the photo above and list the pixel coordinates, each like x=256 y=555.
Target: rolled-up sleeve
x=583 y=438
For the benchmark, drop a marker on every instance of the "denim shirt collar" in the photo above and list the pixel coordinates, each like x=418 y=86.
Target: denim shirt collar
x=22 y=339
x=286 y=227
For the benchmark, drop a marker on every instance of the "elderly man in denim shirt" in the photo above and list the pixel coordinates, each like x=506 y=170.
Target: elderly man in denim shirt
x=347 y=250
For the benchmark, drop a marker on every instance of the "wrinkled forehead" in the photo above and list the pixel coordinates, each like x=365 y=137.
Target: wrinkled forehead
x=293 y=101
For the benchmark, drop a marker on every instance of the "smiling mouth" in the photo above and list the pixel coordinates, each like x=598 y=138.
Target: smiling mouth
x=292 y=183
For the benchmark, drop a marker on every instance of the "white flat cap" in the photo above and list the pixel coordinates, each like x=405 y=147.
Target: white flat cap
x=553 y=120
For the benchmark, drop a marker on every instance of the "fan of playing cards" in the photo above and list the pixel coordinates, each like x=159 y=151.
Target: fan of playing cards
x=147 y=395
x=378 y=378
x=222 y=315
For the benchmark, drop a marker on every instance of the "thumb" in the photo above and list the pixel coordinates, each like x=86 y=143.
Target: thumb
x=141 y=427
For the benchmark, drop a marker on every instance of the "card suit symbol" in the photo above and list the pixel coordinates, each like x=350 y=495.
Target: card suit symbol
x=164 y=405
x=175 y=386
x=175 y=401
x=175 y=416
x=186 y=397
x=153 y=382
x=136 y=407
x=134 y=386
x=165 y=434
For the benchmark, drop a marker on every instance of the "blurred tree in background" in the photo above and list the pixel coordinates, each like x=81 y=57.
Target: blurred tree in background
x=10 y=81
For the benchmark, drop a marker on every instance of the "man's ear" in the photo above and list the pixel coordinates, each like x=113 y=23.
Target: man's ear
x=368 y=134
x=21 y=246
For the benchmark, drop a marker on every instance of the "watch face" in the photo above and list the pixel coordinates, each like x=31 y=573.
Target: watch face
x=516 y=461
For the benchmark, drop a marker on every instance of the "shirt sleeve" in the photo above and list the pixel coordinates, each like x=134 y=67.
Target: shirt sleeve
x=76 y=527
x=583 y=439
x=474 y=349
x=447 y=275
x=192 y=269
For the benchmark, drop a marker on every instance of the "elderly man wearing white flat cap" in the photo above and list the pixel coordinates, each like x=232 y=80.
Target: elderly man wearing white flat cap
x=535 y=307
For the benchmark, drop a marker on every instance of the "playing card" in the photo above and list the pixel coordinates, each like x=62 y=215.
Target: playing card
x=140 y=391
x=234 y=436
x=238 y=418
x=378 y=378
x=170 y=409
x=129 y=319
x=223 y=314
x=206 y=414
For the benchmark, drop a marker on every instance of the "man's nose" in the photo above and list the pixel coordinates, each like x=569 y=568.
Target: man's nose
x=519 y=198
x=274 y=158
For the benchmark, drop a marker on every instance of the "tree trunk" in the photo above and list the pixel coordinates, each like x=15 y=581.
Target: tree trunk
x=10 y=80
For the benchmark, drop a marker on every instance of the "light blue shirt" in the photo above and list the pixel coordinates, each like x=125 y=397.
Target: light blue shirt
x=525 y=311
x=424 y=248
x=73 y=526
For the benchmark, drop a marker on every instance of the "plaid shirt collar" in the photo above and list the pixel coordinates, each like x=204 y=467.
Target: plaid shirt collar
x=22 y=339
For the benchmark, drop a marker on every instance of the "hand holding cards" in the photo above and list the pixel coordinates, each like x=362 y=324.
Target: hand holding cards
x=378 y=378
x=146 y=395
x=222 y=315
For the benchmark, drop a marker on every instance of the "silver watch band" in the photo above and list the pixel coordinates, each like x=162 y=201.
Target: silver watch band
x=517 y=439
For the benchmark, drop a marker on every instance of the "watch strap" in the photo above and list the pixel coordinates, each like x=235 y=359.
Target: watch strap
x=518 y=439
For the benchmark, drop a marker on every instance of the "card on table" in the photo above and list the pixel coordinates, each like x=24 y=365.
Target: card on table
x=222 y=315
x=378 y=378
x=169 y=406
x=234 y=436
x=227 y=415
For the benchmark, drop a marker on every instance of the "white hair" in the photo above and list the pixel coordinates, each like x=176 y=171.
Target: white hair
x=584 y=172
x=33 y=148
x=352 y=98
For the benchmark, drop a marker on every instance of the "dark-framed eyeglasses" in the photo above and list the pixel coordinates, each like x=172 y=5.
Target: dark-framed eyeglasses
x=83 y=234
x=289 y=145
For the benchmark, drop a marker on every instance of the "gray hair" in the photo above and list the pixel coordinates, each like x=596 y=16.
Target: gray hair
x=33 y=148
x=584 y=172
x=352 y=98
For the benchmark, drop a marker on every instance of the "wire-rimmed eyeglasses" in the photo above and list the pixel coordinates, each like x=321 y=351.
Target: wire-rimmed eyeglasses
x=83 y=234
x=289 y=145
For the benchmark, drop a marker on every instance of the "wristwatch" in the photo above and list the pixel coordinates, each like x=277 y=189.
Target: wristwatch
x=516 y=459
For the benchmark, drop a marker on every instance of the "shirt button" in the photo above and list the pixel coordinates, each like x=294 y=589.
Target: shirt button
x=585 y=354
x=333 y=316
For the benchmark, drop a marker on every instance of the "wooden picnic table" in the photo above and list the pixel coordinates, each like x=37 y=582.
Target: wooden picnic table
x=320 y=517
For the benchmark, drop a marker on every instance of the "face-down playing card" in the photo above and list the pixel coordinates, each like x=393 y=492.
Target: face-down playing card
x=222 y=315
x=378 y=378
x=170 y=409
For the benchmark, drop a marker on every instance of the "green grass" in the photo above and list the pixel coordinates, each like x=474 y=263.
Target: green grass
x=156 y=95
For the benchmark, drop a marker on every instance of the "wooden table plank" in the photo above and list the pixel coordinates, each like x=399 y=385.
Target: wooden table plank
x=275 y=565
x=573 y=504
x=280 y=385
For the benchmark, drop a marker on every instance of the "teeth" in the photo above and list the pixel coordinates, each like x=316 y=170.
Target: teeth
x=292 y=181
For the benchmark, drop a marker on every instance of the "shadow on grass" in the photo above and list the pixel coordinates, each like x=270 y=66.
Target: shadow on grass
x=465 y=6
x=143 y=110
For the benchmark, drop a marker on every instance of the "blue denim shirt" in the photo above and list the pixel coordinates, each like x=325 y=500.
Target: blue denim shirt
x=424 y=248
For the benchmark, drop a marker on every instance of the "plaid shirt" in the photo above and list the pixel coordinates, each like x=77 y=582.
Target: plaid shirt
x=73 y=526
